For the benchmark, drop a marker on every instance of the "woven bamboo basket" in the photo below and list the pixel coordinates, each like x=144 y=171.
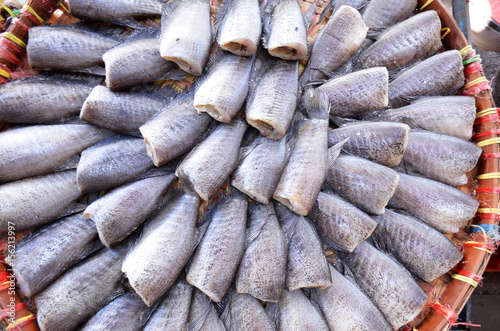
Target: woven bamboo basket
x=450 y=292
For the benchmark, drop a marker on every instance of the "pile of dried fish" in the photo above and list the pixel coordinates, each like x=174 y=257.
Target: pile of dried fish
x=344 y=159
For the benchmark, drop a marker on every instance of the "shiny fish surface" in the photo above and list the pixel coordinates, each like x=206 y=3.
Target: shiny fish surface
x=384 y=13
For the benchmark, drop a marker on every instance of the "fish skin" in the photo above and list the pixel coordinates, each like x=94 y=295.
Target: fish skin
x=352 y=177
x=342 y=222
x=272 y=99
x=262 y=268
x=356 y=4
x=450 y=115
x=42 y=259
x=216 y=259
x=381 y=142
x=172 y=313
x=355 y=94
x=222 y=91
x=81 y=292
x=134 y=63
x=111 y=164
x=24 y=101
x=154 y=263
x=383 y=13
x=241 y=27
x=186 y=34
x=248 y=314
x=202 y=314
x=125 y=313
x=259 y=173
x=447 y=161
x=296 y=312
x=423 y=250
x=66 y=47
x=441 y=74
x=441 y=206
x=383 y=280
x=416 y=37
x=37 y=150
x=121 y=211
x=38 y=199
x=203 y=170
x=285 y=31
x=118 y=111
x=346 y=307
x=113 y=11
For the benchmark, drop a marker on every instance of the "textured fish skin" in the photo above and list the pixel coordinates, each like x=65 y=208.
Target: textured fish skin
x=339 y=39
x=285 y=34
x=307 y=265
x=248 y=314
x=343 y=223
x=353 y=177
x=382 y=279
x=209 y=164
x=441 y=157
x=36 y=150
x=383 y=142
x=240 y=29
x=202 y=314
x=42 y=259
x=112 y=163
x=415 y=38
x=441 y=206
x=118 y=111
x=121 y=211
x=452 y=115
x=81 y=292
x=164 y=248
x=134 y=63
x=38 y=199
x=222 y=91
x=112 y=11
x=423 y=250
x=259 y=173
x=262 y=269
x=125 y=313
x=356 y=4
x=356 y=94
x=219 y=253
x=23 y=101
x=296 y=312
x=441 y=74
x=272 y=98
x=66 y=47
x=186 y=34
x=172 y=313
x=346 y=307
x=384 y=13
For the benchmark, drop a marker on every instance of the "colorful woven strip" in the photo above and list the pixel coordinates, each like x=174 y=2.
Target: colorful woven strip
x=473 y=59
x=425 y=5
x=5 y=312
x=487 y=119
x=20 y=24
x=7 y=9
x=6 y=54
x=4 y=73
x=47 y=4
x=473 y=68
x=486 y=133
x=487 y=142
x=488 y=211
x=490 y=156
x=488 y=190
x=480 y=246
x=19 y=323
x=64 y=8
x=33 y=12
x=490 y=229
x=446 y=32
x=487 y=111
x=465 y=50
x=470 y=275
x=475 y=82
x=482 y=86
x=464 y=279
x=446 y=312
x=491 y=175
x=14 y=39
x=494 y=217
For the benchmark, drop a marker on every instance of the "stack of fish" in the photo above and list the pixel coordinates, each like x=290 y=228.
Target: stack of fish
x=295 y=188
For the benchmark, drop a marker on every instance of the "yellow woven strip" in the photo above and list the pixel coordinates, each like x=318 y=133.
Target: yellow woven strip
x=7 y=9
x=426 y=4
x=64 y=7
x=487 y=111
x=491 y=175
x=481 y=228
x=4 y=73
x=33 y=12
x=446 y=32
x=487 y=211
x=464 y=279
x=480 y=248
x=14 y=39
x=19 y=321
x=475 y=82
x=490 y=141
x=466 y=49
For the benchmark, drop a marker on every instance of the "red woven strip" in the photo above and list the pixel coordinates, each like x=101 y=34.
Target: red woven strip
x=488 y=190
x=6 y=54
x=490 y=156
x=470 y=275
x=4 y=42
x=6 y=312
x=21 y=24
x=480 y=245
x=21 y=325
x=3 y=80
x=495 y=217
x=3 y=276
x=446 y=312
x=477 y=89
x=31 y=17
x=487 y=119
x=48 y=5
x=487 y=133
x=473 y=68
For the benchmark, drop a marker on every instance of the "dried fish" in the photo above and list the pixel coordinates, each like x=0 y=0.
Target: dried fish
x=247 y=314
x=296 y=312
x=384 y=13
x=202 y=315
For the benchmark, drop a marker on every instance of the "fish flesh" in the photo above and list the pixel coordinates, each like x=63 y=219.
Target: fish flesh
x=37 y=200
x=121 y=211
x=112 y=163
x=216 y=259
x=247 y=314
x=161 y=253
x=384 y=13
x=356 y=94
x=202 y=314
x=44 y=256
x=441 y=206
x=353 y=177
x=441 y=74
x=423 y=250
x=296 y=312
x=387 y=283
x=209 y=164
x=382 y=142
x=222 y=90
x=446 y=161
x=186 y=34
x=262 y=268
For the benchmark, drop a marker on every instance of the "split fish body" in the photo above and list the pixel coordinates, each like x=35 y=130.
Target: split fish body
x=114 y=11
x=247 y=314
x=383 y=13
x=296 y=312
x=202 y=314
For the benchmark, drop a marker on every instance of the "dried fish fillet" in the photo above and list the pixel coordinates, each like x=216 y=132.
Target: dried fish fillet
x=384 y=13
x=296 y=312
x=202 y=314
